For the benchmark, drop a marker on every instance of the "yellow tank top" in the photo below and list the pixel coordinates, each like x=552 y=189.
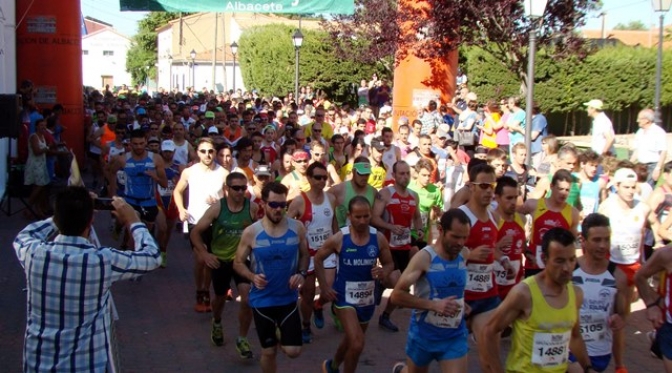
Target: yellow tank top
x=377 y=177
x=541 y=343
x=345 y=171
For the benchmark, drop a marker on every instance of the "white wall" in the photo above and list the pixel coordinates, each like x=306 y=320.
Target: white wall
x=182 y=74
x=164 y=47
x=7 y=73
x=95 y=65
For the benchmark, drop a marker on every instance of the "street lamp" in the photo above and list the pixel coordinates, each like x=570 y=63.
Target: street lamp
x=234 y=51
x=297 y=39
x=170 y=73
x=534 y=10
x=661 y=7
x=192 y=54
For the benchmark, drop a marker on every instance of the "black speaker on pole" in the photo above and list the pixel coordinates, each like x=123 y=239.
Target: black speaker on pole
x=10 y=123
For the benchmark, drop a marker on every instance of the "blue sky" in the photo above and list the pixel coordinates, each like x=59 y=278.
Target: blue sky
x=618 y=11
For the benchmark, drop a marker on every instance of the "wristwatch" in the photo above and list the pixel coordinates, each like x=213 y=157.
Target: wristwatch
x=303 y=273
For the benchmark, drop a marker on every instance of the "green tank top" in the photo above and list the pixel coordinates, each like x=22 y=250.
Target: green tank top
x=228 y=228
x=574 y=191
x=342 y=209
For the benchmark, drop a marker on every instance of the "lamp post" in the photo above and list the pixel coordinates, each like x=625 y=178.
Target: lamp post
x=170 y=73
x=534 y=10
x=297 y=39
x=234 y=51
x=661 y=7
x=192 y=54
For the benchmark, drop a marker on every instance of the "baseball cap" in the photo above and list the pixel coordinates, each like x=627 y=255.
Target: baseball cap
x=595 y=104
x=262 y=170
x=209 y=115
x=141 y=111
x=153 y=140
x=214 y=130
x=300 y=155
x=362 y=168
x=168 y=146
x=403 y=120
x=624 y=174
x=377 y=143
x=443 y=134
x=111 y=119
x=471 y=96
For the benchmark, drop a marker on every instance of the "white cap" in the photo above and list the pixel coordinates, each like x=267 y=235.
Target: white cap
x=168 y=146
x=214 y=130
x=595 y=104
x=624 y=174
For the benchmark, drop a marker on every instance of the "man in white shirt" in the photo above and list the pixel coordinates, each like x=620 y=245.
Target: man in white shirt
x=602 y=141
x=650 y=145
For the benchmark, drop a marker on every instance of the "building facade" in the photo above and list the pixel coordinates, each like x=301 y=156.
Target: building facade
x=104 y=56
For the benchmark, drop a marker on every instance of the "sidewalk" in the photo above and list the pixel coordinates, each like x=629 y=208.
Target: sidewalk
x=158 y=330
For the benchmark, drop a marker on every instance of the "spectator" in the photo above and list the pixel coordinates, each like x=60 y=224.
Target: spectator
x=602 y=141
x=430 y=118
x=650 y=145
x=516 y=122
x=36 y=173
x=501 y=133
x=539 y=130
x=363 y=94
x=549 y=154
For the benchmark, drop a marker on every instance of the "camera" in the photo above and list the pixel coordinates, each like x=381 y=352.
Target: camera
x=103 y=204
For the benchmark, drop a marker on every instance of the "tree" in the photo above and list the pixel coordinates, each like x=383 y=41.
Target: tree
x=142 y=56
x=266 y=56
x=436 y=27
x=632 y=26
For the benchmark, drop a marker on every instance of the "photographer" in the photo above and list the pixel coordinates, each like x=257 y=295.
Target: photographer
x=69 y=280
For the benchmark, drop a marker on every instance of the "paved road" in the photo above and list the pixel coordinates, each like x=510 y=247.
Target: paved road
x=158 y=330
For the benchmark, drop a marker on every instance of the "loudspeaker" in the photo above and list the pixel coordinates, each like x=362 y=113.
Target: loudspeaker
x=10 y=122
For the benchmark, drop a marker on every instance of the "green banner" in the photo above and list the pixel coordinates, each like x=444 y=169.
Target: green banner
x=242 y=6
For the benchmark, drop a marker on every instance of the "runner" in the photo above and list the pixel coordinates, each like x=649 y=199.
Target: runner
x=391 y=154
x=358 y=247
x=357 y=186
x=243 y=161
x=593 y=187
x=296 y=181
x=544 y=313
x=144 y=170
x=205 y=180
x=430 y=199
x=496 y=158
x=511 y=241
x=547 y=213
x=395 y=211
x=439 y=275
x=378 y=167
x=168 y=212
x=277 y=248
x=319 y=154
x=315 y=209
x=660 y=203
x=567 y=159
x=604 y=286
x=658 y=304
x=228 y=218
x=184 y=152
x=481 y=292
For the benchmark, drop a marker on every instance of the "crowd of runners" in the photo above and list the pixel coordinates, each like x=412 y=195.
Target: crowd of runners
x=315 y=210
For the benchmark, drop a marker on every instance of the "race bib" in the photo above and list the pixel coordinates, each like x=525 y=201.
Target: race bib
x=400 y=240
x=540 y=263
x=550 y=349
x=121 y=177
x=593 y=327
x=479 y=277
x=446 y=321
x=627 y=244
x=317 y=236
x=500 y=273
x=589 y=205
x=425 y=218
x=359 y=293
x=168 y=190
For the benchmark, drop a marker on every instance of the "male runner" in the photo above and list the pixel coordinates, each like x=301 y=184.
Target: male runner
x=430 y=200
x=658 y=304
x=359 y=247
x=315 y=209
x=593 y=187
x=278 y=251
x=548 y=213
x=439 y=275
x=481 y=292
x=296 y=181
x=511 y=241
x=168 y=212
x=604 y=287
x=395 y=211
x=228 y=219
x=568 y=159
x=357 y=186
x=205 y=180
x=391 y=154
x=544 y=313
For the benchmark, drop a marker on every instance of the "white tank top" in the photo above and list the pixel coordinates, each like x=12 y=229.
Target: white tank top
x=203 y=183
x=318 y=228
x=626 y=230
x=599 y=297
x=389 y=159
x=93 y=148
x=181 y=155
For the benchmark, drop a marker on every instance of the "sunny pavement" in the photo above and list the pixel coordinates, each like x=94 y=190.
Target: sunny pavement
x=158 y=330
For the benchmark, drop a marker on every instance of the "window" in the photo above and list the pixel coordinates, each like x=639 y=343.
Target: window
x=108 y=53
x=85 y=52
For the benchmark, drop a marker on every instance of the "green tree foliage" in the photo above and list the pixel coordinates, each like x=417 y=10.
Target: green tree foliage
x=632 y=25
x=266 y=56
x=142 y=56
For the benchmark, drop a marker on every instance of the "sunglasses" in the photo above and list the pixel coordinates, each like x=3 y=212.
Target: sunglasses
x=206 y=151
x=318 y=131
x=277 y=205
x=302 y=161
x=320 y=177
x=486 y=186
x=238 y=188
